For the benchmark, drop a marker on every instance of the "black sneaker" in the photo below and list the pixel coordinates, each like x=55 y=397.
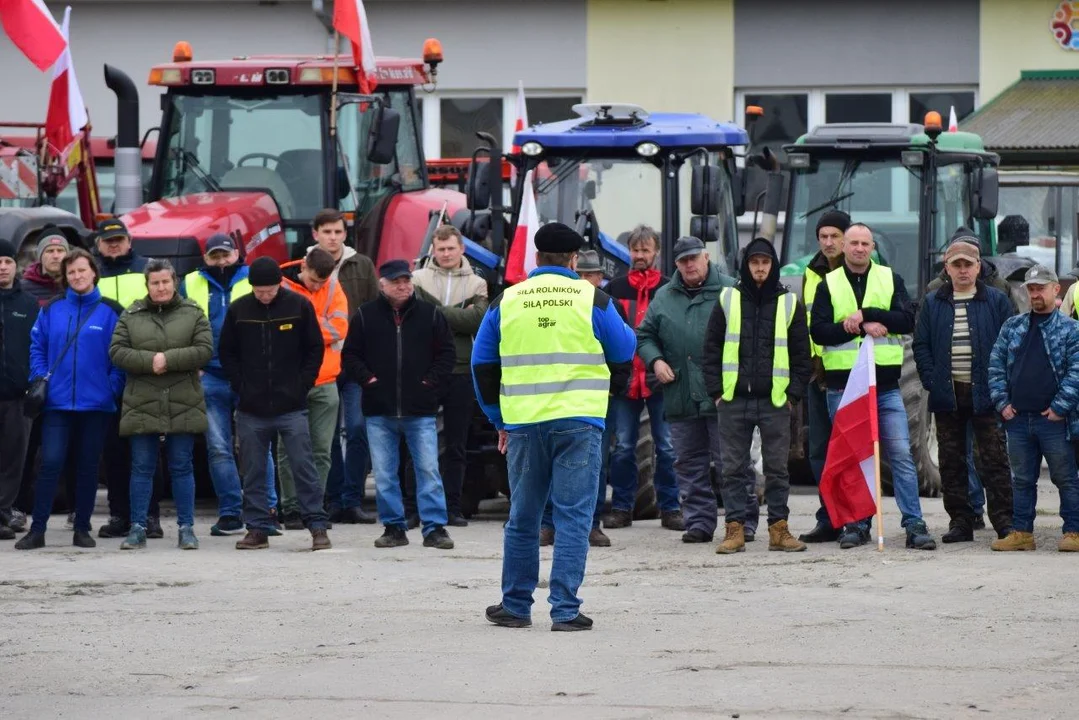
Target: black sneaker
x=456 y=520
x=293 y=521
x=353 y=516
x=581 y=622
x=115 y=528
x=852 y=536
x=6 y=533
x=31 y=541
x=413 y=522
x=498 y=615
x=83 y=540
x=696 y=535
x=822 y=533
x=438 y=538
x=14 y=519
x=153 y=528
x=394 y=536
x=226 y=525
x=918 y=537
x=979 y=522
x=957 y=533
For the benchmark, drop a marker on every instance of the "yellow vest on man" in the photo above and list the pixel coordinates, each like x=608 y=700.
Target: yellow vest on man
x=198 y=290
x=553 y=367
x=124 y=289
x=879 y=289
x=729 y=300
x=809 y=293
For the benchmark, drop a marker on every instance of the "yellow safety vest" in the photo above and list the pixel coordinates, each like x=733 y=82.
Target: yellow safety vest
x=880 y=286
x=729 y=300
x=809 y=292
x=198 y=290
x=124 y=289
x=553 y=367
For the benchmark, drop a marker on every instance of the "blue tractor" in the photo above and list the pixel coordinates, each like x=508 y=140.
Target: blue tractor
x=613 y=167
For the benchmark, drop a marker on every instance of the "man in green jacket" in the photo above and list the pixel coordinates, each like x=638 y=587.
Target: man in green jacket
x=670 y=341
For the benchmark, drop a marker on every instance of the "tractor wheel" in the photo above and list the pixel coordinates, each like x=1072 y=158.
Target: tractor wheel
x=646 y=506
x=923 y=437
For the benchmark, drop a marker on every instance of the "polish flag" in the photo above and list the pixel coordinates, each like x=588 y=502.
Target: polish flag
x=953 y=122
x=522 y=257
x=849 y=482
x=32 y=29
x=350 y=19
x=67 y=111
x=521 y=124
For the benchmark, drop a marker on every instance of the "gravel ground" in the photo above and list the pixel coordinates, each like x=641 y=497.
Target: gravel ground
x=680 y=632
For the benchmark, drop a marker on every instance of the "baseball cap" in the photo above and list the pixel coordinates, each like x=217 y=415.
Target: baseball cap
x=393 y=269
x=112 y=229
x=961 y=249
x=1040 y=275
x=220 y=241
x=687 y=246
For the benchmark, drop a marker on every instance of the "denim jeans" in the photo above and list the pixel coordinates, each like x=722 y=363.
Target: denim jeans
x=895 y=446
x=85 y=431
x=820 y=435
x=323 y=407
x=1032 y=437
x=384 y=434
x=144 y=453
x=220 y=404
x=604 y=475
x=345 y=485
x=626 y=416
x=559 y=460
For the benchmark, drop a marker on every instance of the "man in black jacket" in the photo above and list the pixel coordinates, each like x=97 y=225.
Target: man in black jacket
x=400 y=350
x=271 y=350
x=756 y=363
x=18 y=311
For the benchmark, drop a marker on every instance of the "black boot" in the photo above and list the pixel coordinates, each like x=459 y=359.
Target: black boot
x=958 y=533
x=822 y=533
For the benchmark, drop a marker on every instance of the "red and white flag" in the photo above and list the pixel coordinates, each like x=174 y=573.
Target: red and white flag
x=849 y=482
x=350 y=19
x=522 y=115
x=67 y=110
x=32 y=28
x=522 y=257
x=953 y=121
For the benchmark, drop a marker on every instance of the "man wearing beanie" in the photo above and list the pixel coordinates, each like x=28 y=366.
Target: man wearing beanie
x=18 y=311
x=42 y=279
x=830 y=229
x=271 y=351
x=548 y=355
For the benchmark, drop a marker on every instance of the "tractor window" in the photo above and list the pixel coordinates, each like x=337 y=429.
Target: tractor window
x=1039 y=221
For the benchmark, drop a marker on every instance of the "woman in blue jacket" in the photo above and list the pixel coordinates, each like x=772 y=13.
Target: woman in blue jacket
x=82 y=391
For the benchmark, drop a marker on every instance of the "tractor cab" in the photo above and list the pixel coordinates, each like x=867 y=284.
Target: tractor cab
x=617 y=166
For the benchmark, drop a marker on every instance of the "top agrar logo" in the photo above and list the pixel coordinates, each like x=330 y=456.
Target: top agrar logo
x=1063 y=25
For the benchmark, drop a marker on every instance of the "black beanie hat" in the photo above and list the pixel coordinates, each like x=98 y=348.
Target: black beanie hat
x=558 y=238
x=7 y=249
x=264 y=272
x=834 y=218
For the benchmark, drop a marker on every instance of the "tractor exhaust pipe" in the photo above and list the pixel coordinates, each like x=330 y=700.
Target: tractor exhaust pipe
x=128 y=151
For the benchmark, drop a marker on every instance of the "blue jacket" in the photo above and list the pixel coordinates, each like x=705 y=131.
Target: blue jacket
x=1061 y=337
x=220 y=298
x=986 y=314
x=617 y=339
x=85 y=379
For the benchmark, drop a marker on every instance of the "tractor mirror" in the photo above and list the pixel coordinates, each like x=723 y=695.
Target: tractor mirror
x=986 y=195
x=704 y=190
x=382 y=138
x=704 y=228
x=739 y=183
x=589 y=190
x=478 y=187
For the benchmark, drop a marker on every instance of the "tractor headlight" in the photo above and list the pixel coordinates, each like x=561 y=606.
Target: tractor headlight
x=532 y=148
x=648 y=149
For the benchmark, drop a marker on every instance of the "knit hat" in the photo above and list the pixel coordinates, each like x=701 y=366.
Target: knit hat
x=7 y=249
x=558 y=238
x=264 y=272
x=834 y=218
x=49 y=238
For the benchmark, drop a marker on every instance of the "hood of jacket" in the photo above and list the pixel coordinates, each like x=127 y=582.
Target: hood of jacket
x=771 y=286
x=448 y=287
x=36 y=275
x=221 y=276
x=347 y=254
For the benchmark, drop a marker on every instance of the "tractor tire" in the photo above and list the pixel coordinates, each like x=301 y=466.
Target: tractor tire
x=646 y=506
x=923 y=440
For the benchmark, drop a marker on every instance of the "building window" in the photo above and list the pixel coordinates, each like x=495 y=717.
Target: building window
x=462 y=118
x=858 y=107
x=786 y=118
x=549 y=109
x=942 y=101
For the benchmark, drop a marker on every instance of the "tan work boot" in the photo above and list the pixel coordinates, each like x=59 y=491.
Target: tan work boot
x=735 y=540
x=780 y=538
x=1015 y=540
x=1069 y=543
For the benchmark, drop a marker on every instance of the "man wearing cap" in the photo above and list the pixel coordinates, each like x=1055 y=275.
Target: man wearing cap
x=634 y=292
x=862 y=298
x=1034 y=385
x=121 y=267
x=756 y=364
x=271 y=351
x=400 y=350
x=222 y=279
x=830 y=228
x=42 y=278
x=18 y=311
x=550 y=352
x=957 y=327
x=671 y=340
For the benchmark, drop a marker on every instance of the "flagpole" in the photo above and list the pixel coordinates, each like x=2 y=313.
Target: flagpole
x=333 y=90
x=880 y=511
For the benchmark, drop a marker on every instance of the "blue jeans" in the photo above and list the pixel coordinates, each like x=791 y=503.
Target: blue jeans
x=384 y=434
x=178 y=450
x=626 y=416
x=601 y=496
x=346 y=482
x=220 y=403
x=86 y=432
x=1030 y=438
x=974 y=483
x=895 y=446
x=559 y=459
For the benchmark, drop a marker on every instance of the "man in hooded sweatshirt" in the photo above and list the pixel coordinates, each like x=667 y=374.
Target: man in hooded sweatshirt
x=42 y=279
x=756 y=365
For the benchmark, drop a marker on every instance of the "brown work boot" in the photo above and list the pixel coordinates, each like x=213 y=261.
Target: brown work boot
x=735 y=540
x=546 y=536
x=597 y=538
x=1069 y=543
x=253 y=540
x=320 y=540
x=618 y=519
x=1015 y=540
x=780 y=538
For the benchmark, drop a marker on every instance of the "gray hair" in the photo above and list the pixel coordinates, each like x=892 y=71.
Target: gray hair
x=156 y=265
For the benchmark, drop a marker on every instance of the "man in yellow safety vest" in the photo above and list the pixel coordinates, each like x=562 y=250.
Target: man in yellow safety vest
x=548 y=355
x=756 y=363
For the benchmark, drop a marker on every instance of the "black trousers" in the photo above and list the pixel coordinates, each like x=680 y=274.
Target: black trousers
x=14 y=438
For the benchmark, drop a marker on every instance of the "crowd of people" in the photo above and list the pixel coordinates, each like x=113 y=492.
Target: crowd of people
x=133 y=363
